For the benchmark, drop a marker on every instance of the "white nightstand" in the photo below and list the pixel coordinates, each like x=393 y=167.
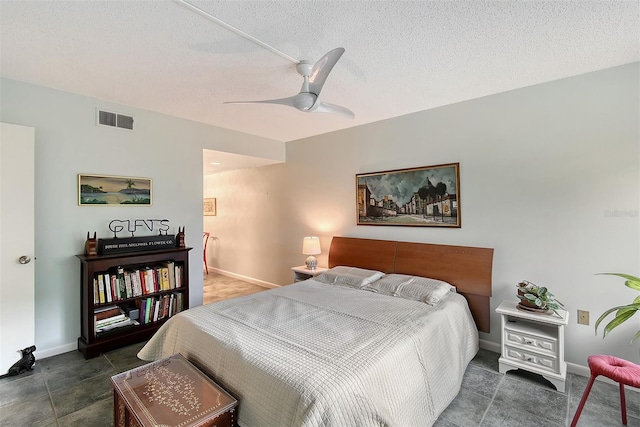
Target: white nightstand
x=301 y=272
x=533 y=342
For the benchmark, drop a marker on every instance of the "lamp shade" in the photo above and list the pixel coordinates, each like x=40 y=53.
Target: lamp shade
x=311 y=246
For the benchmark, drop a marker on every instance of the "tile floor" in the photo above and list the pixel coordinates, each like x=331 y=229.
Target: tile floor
x=67 y=390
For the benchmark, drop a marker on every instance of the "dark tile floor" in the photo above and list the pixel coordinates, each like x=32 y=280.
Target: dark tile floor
x=67 y=390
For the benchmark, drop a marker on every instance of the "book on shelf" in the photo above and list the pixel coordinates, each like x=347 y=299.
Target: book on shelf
x=164 y=278
x=142 y=306
x=96 y=291
x=107 y=287
x=101 y=289
x=149 y=279
x=108 y=311
x=147 y=310
x=127 y=284
x=135 y=283
x=178 y=276
x=110 y=320
x=121 y=284
x=156 y=310
x=119 y=324
x=115 y=291
x=172 y=274
x=157 y=279
x=178 y=302
x=165 y=306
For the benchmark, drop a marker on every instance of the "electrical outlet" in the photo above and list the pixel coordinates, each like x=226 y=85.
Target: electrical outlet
x=583 y=317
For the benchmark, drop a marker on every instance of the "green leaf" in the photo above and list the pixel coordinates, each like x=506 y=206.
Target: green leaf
x=635 y=337
x=633 y=284
x=618 y=321
x=625 y=309
x=625 y=276
x=611 y=310
x=632 y=281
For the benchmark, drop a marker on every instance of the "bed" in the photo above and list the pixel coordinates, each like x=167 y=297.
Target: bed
x=332 y=351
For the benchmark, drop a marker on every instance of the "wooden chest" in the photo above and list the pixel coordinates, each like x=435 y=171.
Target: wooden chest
x=170 y=392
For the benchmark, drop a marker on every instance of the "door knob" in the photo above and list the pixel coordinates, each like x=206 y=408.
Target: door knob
x=24 y=259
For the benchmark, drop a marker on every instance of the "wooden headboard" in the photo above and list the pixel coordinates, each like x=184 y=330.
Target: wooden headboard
x=467 y=268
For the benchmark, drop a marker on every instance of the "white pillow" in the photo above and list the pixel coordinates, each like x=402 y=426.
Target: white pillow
x=430 y=291
x=387 y=285
x=352 y=277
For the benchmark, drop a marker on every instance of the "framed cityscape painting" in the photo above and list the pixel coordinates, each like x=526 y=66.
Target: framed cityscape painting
x=106 y=190
x=426 y=196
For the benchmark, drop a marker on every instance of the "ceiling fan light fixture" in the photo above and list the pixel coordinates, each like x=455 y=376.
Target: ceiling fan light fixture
x=314 y=75
x=308 y=99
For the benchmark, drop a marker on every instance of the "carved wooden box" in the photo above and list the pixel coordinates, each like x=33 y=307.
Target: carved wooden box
x=170 y=392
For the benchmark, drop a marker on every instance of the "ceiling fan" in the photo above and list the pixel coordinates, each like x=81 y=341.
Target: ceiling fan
x=314 y=75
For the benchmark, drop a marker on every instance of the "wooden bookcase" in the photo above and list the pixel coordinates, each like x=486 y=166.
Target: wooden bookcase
x=90 y=343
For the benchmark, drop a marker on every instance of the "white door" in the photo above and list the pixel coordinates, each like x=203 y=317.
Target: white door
x=17 y=243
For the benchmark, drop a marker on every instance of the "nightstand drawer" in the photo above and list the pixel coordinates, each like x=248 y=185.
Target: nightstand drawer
x=545 y=344
x=535 y=360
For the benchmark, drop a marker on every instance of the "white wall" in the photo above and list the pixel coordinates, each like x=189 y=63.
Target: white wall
x=166 y=149
x=550 y=178
x=249 y=231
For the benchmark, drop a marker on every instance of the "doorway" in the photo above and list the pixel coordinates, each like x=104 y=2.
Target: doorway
x=17 y=242
x=219 y=282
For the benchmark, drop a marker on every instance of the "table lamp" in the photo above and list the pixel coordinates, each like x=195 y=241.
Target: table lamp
x=311 y=247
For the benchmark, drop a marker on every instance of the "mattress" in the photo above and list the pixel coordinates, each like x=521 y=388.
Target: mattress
x=313 y=354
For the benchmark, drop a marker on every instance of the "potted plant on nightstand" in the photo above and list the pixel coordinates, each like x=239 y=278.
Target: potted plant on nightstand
x=537 y=298
x=623 y=312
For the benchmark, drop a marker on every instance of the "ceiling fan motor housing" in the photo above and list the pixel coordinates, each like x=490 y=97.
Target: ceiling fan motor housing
x=304 y=67
x=304 y=101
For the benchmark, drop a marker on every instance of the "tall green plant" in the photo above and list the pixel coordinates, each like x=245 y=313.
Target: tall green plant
x=623 y=312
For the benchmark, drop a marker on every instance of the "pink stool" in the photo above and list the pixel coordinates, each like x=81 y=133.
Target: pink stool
x=616 y=369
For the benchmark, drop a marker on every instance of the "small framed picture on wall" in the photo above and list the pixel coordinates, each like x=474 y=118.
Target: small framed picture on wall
x=209 y=207
x=108 y=190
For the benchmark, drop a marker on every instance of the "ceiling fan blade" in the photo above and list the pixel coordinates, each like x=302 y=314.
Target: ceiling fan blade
x=282 y=101
x=325 y=107
x=302 y=101
x=322 y=68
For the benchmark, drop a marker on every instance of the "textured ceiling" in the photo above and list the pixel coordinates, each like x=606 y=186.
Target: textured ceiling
x=401 y=56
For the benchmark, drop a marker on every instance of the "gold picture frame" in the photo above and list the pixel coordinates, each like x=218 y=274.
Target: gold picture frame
x=110 y=190
x=209 y=206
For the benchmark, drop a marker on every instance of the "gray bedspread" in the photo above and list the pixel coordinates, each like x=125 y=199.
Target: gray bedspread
x=312 y=354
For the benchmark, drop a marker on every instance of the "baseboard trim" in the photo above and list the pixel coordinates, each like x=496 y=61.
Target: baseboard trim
x=54 y=351
x=245 y=278
x=489 y=345
x=572 y=368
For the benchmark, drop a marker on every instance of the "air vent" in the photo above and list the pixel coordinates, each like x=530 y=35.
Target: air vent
x=108 y=118
x=125 y=122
